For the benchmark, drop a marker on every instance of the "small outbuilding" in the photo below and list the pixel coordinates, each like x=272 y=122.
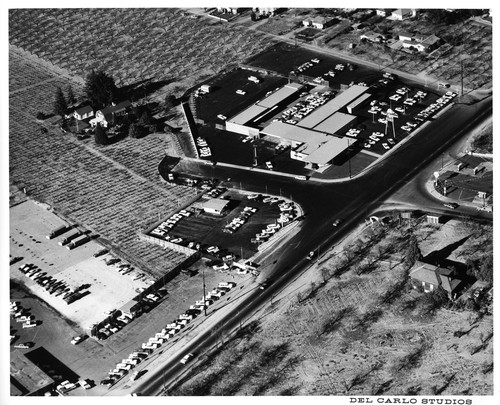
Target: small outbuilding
x=215 y=206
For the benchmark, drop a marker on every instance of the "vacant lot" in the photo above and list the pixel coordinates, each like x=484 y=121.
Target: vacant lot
x=352 y=325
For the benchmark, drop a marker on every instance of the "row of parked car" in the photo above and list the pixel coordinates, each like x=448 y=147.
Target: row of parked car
x=52 y=285
x=288 y=212
x=169 y=223
x=306 y=65
x=21 y=315
x=203 y=148
x=237 y=222
x=312 y=101
x=168 y=332
x=116 y=323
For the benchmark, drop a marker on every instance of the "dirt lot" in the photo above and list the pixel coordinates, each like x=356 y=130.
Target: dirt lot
x=363 y=331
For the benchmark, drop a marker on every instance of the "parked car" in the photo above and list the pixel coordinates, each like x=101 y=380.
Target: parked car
x=78 y=339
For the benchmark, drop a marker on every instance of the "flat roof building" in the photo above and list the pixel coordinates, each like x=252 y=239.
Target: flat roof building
x=280 y=95
x=215 y=206
x=294 y=133
x=336 y=123
x=26 y=377
x=245 y=122
x=334 y=105
x=248 y=114
x=328 y=151
x=353 y=107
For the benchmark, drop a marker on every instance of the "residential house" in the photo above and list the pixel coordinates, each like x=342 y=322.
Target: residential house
x=403 y=13
x=372 y=37
x=430 y=277
x=83 y=113
x=384 y=12
x=106 y=116
x=322 y=22
x=420 y=42
x=229 y=10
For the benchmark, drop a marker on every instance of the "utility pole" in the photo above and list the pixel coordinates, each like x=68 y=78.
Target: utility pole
x=349 y=154
x=204 y=295
x=462 y=77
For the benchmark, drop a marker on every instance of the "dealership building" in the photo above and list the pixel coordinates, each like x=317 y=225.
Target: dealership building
x=319 y=138
x=246 y=122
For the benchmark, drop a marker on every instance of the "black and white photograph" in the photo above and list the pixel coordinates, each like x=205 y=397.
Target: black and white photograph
x=282 y=202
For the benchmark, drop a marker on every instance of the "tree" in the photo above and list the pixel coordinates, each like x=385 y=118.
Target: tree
x=70 y=95
x=100 y=89
x=170 y=101
x=145 y=119
x=413 y=252
x=60 y=105
x=135 y=130
x=100 y=136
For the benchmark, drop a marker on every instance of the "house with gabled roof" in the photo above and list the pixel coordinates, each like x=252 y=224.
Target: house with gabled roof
x=430 y=277
x=420 y=42
x=107 y=115
x=83 y=113
x=372 y=37
x=402 y=13
x=384 y=12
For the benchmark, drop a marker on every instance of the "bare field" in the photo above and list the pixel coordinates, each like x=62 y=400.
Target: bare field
x=352 y=325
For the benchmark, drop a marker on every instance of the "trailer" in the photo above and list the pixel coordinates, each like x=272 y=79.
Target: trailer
x=69 y=238
x=57 y=231
x=78 y=242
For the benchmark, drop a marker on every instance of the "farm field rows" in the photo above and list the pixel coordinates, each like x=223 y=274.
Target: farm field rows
x=132 y=44
x=112 y=199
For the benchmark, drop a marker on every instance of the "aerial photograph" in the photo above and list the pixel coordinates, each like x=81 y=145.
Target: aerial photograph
x=249 y=201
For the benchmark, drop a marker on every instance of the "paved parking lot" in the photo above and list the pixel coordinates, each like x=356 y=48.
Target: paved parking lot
x=208 y=229
x=107 y=288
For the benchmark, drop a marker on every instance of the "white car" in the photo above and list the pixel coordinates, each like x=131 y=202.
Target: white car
x=187 y=358
x=269 y=165
x=386 y=146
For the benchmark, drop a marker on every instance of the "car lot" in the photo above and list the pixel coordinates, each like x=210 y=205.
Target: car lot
x=103 y=286
x=55 y=331
x=224 y=101
x=216 y=235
